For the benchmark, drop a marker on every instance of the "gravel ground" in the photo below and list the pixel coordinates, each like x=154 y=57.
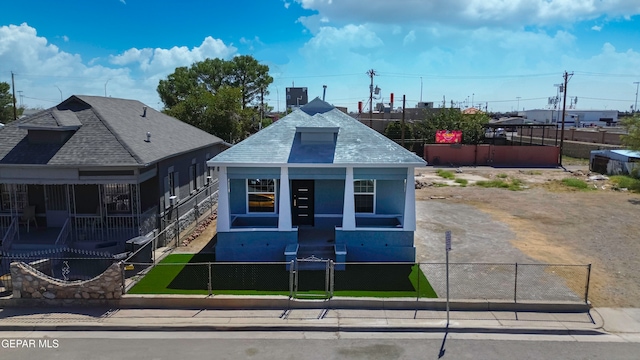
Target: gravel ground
x=545 y=223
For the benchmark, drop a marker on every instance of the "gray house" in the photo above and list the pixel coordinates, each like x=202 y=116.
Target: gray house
x=316 y=183
x=93 y=172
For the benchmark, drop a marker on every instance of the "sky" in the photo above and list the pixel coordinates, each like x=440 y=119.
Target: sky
x=502 y=55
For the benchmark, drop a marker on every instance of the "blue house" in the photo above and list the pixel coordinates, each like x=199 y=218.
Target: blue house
x=316 y=183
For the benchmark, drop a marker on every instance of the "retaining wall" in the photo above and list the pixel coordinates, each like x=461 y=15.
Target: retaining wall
x=29 y=283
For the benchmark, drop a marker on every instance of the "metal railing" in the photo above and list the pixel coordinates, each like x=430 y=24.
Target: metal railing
x=413 y=281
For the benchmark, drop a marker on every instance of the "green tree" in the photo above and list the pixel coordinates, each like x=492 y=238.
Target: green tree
x=218 y=113
x=394 y=130
x=250 y=76
x=6 y=104
x=471 y=125
x=632 y=138
x=189 y=93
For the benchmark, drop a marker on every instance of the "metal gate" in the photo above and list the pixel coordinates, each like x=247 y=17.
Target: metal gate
x=313 y=278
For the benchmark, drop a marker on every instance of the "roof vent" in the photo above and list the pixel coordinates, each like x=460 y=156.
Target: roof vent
x=148 y=137
x=144 y=111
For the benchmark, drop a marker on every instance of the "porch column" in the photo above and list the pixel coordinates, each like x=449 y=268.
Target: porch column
x=284 y=215
x=223 y=200
x=409 y=218
x=348 y=211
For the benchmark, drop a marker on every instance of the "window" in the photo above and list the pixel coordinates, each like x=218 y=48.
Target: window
x=261 y=195
x=118 y=198
x=171 y=187
x=364 y=193
x=18 y=196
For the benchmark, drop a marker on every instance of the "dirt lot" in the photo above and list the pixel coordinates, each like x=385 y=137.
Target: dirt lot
x=546 y=222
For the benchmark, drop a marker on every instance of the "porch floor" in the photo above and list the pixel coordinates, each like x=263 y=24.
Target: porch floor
x=41 y=235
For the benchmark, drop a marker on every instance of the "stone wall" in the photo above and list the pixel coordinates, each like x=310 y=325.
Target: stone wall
x=29 y=283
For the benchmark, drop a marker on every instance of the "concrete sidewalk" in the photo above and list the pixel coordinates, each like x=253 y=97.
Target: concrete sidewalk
x=510 y=322
x=233 y=313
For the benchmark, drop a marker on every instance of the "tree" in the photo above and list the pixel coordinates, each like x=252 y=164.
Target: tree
x=632 y=138
x=218 y=113
x=250 y=76
x=190 y=93
x=394 y=130
x=471 y=125
x=6 y=104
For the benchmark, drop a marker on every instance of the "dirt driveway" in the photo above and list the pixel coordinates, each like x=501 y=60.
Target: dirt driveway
x=545 y=223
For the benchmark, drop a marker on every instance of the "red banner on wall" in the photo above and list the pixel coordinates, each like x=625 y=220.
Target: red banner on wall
x=448 y=137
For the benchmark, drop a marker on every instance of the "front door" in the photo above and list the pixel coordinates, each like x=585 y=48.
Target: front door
x=302 y=209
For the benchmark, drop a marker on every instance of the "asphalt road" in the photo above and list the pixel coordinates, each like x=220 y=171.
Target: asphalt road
x=307 y=345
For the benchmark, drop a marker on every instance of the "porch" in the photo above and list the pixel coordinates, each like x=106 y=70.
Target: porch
x=98 y=216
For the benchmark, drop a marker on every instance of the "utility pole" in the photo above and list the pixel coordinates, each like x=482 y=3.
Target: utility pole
x=371 y=74
x=13 y=87
x=635 y=107
x=564 y=111
x=404 y=104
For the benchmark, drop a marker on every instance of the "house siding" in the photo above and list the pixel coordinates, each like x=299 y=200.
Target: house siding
x=388 y=199
x=331 y=192
x=181 y=165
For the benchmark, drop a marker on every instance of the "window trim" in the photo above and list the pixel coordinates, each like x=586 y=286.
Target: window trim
x=356 y=193
x=275 y=197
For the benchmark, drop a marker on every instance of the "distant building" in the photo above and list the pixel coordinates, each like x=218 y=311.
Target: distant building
x=296 y=97
x=577 y=118
x=425 y=105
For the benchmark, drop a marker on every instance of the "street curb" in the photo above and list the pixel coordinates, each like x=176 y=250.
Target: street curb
x=302 y=328
x=230 y=302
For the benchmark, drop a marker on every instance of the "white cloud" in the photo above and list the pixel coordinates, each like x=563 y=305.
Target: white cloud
x=596 y=28
x=40 y=67
x=471 y=13
x=410 y=38
x=286 y=4
x=348 y=37
x=65 y=38
x=163 y=61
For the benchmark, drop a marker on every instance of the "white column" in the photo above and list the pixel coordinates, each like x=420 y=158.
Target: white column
x=284 y=216
x=348 y=211
x=409 y=218
x=223 y=200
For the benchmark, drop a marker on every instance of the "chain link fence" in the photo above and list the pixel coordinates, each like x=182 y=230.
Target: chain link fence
x=467 y=281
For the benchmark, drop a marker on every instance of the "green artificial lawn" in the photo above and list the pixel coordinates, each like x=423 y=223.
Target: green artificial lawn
x=185 y=274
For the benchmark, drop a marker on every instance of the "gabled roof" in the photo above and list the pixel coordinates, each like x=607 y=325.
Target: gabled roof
x=355 y=143
x=106 y=132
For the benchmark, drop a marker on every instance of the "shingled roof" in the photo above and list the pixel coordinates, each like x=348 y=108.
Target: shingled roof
x=106 y=132
x=354 y=144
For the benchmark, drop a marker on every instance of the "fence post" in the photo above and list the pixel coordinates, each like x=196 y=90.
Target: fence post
x=586 y=291
x=209 y=285
x=291 y=270
x=418 y=273
x=515 y=286
x=122 y=270
x=332 y=277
